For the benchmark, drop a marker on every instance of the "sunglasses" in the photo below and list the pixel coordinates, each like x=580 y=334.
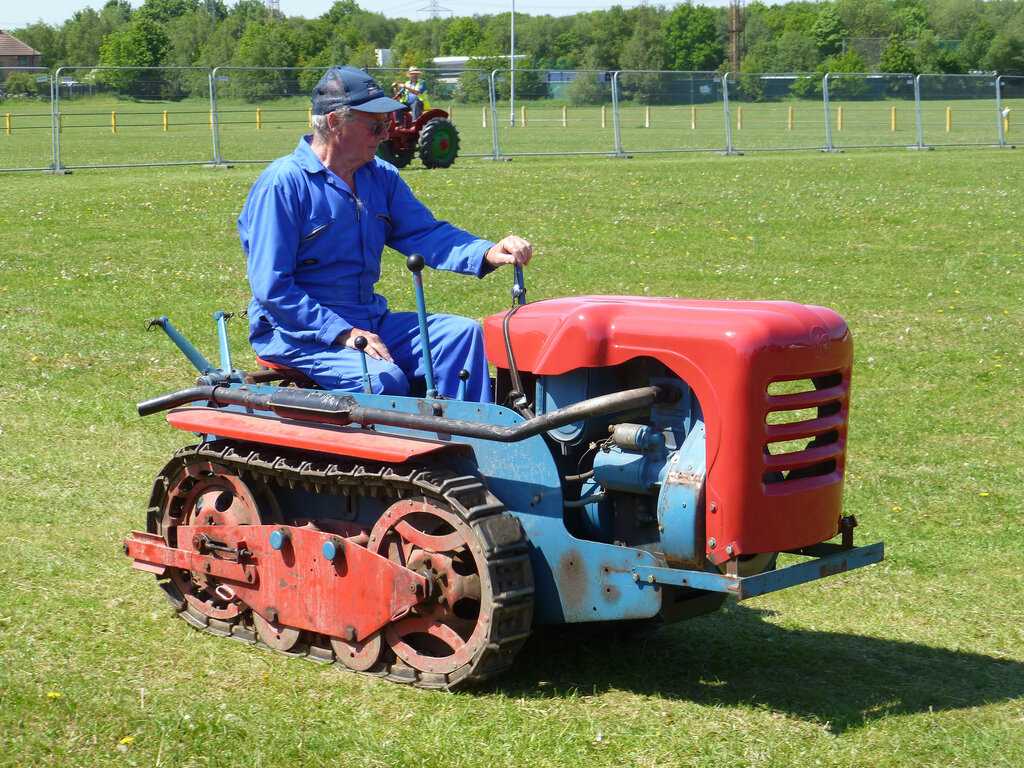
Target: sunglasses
x=378 y=128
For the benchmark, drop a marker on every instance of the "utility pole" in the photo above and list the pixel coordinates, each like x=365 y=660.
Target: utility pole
x=735 y=33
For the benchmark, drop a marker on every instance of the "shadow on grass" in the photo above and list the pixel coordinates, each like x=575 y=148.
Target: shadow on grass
x=736 y=658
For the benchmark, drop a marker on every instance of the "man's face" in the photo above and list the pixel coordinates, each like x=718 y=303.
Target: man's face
x=361 y=134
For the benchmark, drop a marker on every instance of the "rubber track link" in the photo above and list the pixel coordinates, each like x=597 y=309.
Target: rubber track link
x=499 y=532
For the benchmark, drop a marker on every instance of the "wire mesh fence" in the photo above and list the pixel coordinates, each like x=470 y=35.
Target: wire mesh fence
x=113 y=116
x=1009 y=108
x=260 y=112
x=870 y=110
x=669 y=111
x=770 y=111
x=81 y=117
x=545 y=112
x=26 y=133
x=957 y=110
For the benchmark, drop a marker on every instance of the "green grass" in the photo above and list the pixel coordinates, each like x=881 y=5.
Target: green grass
x=917 y=661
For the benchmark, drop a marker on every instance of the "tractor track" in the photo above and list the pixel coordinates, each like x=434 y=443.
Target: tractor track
x=499 y=533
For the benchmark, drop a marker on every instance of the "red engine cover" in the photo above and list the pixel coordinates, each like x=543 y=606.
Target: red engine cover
x=729 y=352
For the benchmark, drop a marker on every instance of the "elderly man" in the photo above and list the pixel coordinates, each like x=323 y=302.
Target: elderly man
x=313 y=229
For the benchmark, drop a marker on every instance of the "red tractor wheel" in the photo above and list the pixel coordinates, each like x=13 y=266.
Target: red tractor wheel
x=397 y=157
x=439 y=143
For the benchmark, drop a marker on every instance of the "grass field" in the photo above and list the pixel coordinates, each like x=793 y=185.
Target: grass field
x=259 y=132
x=918 y=661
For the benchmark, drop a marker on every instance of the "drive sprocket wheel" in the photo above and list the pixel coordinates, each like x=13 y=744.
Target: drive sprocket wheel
x=439 y=143
x=448 y=632
x=193 y=491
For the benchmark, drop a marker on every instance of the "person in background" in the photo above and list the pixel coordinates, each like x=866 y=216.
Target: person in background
x=415 y=92
x=313 y=229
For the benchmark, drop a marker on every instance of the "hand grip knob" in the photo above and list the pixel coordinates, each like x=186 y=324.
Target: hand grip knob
x=414 y=263
x=463 y=375
x=360 y=343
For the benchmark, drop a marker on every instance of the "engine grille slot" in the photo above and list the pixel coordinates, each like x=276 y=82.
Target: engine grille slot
x=805 y=430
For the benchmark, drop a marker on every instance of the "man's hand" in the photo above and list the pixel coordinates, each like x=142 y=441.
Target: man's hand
x=375 y=348
x=510 y=250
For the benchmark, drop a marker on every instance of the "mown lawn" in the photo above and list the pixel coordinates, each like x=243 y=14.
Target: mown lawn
x=918 y=661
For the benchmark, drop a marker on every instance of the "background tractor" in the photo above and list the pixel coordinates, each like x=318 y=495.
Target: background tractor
x=432 y=136
x=645 y=459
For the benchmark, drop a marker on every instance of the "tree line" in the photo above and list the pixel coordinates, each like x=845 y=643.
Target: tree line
x=940 y=36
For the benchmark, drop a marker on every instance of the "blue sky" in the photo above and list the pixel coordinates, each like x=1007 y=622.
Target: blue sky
x=15 y=14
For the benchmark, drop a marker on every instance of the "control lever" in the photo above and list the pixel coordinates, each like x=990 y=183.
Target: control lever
x=360 y=343
x=222 y=317
x=518 y=285
x=415 y=265
x=463 y=378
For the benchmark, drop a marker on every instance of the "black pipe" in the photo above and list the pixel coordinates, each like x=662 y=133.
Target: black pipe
x=325 y=408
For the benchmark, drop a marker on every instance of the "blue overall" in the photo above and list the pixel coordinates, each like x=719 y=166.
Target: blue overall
x=313 y=252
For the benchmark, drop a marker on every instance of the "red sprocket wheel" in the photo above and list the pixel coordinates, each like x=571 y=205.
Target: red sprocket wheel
x=453 y=625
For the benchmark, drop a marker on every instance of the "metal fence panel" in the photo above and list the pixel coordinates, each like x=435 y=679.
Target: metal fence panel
x=775 y=111
x=670 y=111
x=462 y=94
x=1010 y=108
x=956 y=110
x=553 y=112
x=871 y=110
x=129 y=116
x=261 y=111
x=26 y=117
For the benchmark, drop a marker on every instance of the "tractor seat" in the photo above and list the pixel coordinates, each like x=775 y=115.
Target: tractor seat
x=270 y=371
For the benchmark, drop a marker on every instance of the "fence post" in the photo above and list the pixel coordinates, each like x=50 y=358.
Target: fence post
x=604 y=123
x=259 y=119
x=7 y=123
x=789 y=119
x=693 y=118
x=522 y=117
x=165 y=121
x=565 y=117
x=919 y=122
x=616 y=117
x=58 y=126
x=739 y=117
x=1000 y=127
x=892 y=119
x=647 y=117
x=949 y=119
x=483 y=117
x=492 y=94
x=309 y=117
x=726 y=116
x=839 y=117
x=828 y=114
x=214 y=118
x=113 y=122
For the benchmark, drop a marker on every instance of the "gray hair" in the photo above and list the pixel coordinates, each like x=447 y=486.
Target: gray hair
x=320 y=131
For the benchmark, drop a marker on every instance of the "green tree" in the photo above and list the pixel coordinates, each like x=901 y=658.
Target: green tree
x=143 y=43
x=21 y=84
x=49 y=41
x=1006 y=54
x=897 y=56
x=265 y=45
x=975 y=45
x=462 y=38
x=646 y=50
x=162 y=11
x=589 y=87
x=828 y=31
x=691 y=36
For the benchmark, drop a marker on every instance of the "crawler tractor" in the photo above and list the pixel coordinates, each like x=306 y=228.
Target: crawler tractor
x=646 y=459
